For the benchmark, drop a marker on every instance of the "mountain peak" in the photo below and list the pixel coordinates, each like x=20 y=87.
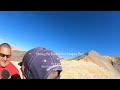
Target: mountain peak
x=92 y=53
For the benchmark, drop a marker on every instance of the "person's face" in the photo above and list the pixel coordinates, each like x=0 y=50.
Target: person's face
x=5 y=54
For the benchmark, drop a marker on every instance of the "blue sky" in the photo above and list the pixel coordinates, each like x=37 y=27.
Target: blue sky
x=62 y=31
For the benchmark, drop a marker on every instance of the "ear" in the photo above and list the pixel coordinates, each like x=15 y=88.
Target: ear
x=53 y=75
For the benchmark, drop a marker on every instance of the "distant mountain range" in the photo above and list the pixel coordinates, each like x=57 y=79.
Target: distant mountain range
x=14 y=48
x=17 y=54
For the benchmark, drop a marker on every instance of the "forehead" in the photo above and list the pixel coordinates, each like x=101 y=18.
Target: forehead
x=5 y=50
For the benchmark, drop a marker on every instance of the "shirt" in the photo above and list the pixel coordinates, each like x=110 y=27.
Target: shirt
x=13 y=71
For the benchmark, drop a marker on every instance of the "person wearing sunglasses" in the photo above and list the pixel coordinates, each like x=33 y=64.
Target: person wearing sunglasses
x=40 y=63
x=5 y=63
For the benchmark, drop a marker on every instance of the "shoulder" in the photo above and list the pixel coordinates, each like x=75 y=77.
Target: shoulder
x=14 y=71
x=13 y=67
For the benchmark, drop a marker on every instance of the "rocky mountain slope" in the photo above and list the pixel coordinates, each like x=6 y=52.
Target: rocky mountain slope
x=17 y=55
x=91 y=65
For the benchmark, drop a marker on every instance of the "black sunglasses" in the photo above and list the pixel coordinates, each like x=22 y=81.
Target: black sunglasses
x=3 y=55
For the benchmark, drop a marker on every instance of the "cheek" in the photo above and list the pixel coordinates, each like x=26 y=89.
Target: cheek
x=8 y=59
x=1 y=58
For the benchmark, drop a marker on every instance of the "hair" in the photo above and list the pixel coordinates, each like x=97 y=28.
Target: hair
x=5 y=45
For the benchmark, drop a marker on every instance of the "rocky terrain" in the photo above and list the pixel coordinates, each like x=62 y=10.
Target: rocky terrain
x=17 y=55
x=90 y=65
